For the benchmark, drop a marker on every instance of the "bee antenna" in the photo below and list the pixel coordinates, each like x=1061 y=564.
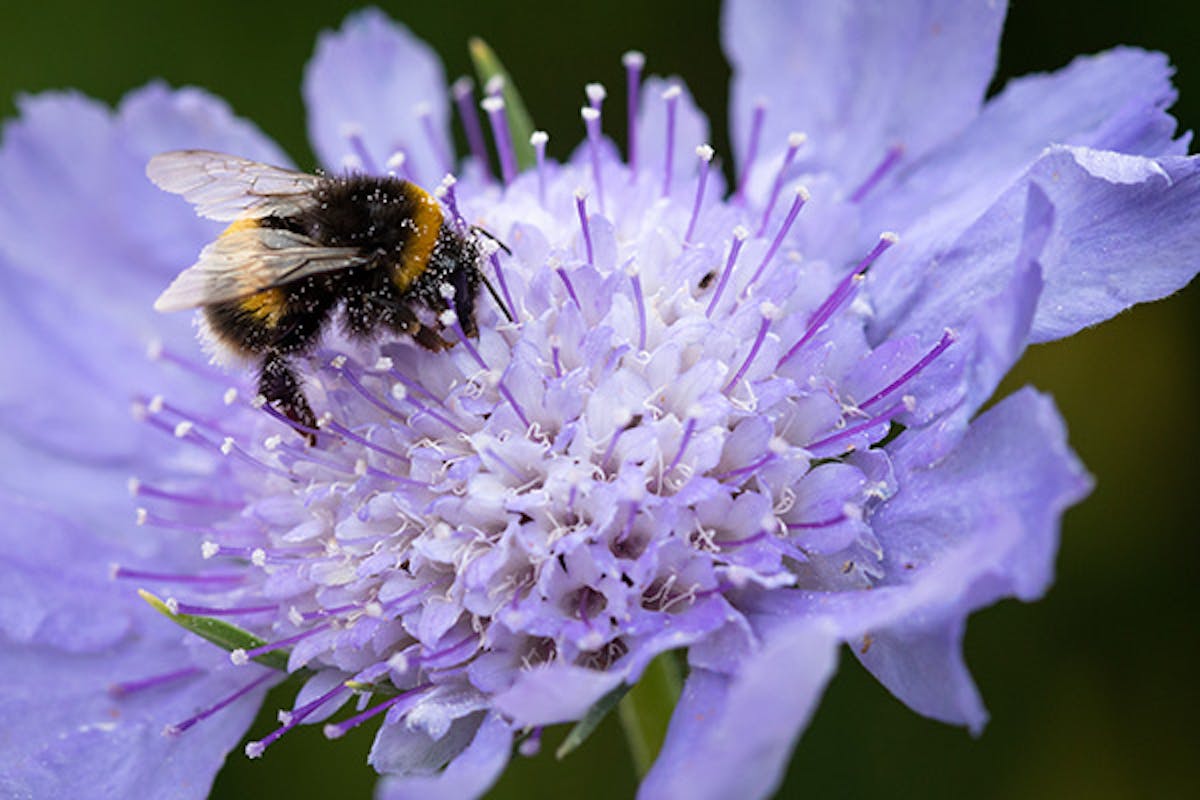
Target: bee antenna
x=500 y=244
x=492 y=290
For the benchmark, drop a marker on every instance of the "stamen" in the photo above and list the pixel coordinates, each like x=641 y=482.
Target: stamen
x=494 y=106
x=508 y=301
x=397 y=165
x=425 y=113
x=733 y=544
x=175 y=730
x=156 y=351
x=595 y=94
x=210 y=611
x=139 y=489
x=591 y=120
x=639 y=301
x=770 y=312
x=906 y=404
x=671 y=97
x=230 y=447
x=581 y=209
x=843 y=291
x=757 y=463
x=500 y=387
x=795 y=141
x=689 y=428
x=630 y=518
x=740 y=235
x=299 y=427
x=425 y=658
x=555 y=354
x=126 y=688
x=240 y=656
x=336 y=731
x=505 y=465
x=797 y=203
x=948 y=338
x=124 y=573
x=354 y=136
x=539 y=139
x=464 y=99
x=633 y=61
x=293 y=718
x=346 y=433
x=756 y=126
x=885 y=166
x=562 y=273
x=145 y=517
x=705 y=153
x=807 y=526
x=446 y=193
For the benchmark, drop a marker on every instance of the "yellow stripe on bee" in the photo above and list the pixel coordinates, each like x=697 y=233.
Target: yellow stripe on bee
x=427 y=223
x=243 y=224
x=266 y=306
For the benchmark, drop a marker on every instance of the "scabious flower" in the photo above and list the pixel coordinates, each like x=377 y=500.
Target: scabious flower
x=741 y=422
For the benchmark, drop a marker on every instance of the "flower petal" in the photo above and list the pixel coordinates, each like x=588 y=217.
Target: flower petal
x=372 y=78
x=87 y=238
x=859 y=79
x=1125 y=231
x=730 y=736
x=963 y=532
x=469 y=775
x=555 y=693
x=1112 y=101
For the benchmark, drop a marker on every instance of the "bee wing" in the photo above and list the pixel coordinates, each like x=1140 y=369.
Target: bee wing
x=225 y=187
x=250 y=260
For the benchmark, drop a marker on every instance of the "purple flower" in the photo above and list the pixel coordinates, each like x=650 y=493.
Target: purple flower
x=742 y=422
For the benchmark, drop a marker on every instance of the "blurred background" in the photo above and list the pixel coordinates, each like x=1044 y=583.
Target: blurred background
x=1092 y=691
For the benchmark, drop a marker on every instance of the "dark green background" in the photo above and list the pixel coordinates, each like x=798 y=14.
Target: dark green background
x=1092 y=691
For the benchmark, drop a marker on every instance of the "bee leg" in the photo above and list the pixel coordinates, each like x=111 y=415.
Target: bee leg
x=277 y=382
x=430 y=339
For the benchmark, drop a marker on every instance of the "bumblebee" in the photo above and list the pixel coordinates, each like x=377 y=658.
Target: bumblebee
x=303 y=249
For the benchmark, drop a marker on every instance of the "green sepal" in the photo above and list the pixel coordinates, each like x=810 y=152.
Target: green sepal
x=520 y=124
x=223 y=634
x=590 y=721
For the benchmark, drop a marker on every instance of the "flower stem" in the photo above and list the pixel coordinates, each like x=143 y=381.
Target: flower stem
x=646 y=710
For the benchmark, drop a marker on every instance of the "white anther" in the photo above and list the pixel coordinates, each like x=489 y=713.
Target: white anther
x=595 y=92
x=209 y=549
x=706 y=152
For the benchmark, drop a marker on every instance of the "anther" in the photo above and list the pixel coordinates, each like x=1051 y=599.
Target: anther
x=705 y=153
x=591 y=120
x=671 y=98
x=581 y=210
x=539 y=139
x=795 y=141
x=740 y=235
x=770 y=312
x=633 y=61
x=494 y=106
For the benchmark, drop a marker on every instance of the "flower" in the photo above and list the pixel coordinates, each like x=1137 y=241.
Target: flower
x=743 y=423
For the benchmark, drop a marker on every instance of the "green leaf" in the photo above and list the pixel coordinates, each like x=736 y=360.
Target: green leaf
x=223 y=634
x=520 y=124
x=646 y=711
x=584 y=728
